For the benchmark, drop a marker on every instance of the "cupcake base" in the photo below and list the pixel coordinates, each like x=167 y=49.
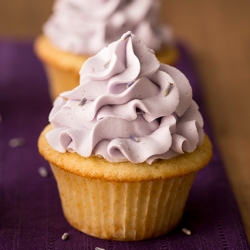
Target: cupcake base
x=123 y=211
x=123 y=201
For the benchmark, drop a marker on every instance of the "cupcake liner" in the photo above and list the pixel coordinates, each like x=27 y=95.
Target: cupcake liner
x=122 y=210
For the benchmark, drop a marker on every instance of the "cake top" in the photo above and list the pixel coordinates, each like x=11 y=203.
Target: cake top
x=85 y=27
x=128 y=107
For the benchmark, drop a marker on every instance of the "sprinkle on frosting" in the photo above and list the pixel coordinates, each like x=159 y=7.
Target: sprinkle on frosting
x=167 y=90
x=135 y=139
x=82 y=102
x=125 y=36
x=106 y=64
x=130 y=84
x=135 y=99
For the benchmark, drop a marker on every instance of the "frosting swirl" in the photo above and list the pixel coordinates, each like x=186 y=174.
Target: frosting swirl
x=128 y=107
x=85 y=27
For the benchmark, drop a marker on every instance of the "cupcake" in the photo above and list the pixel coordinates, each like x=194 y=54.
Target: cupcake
x=125 y=144
x=78 y=29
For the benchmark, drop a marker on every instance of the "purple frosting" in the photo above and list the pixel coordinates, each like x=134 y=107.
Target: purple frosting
x=85 y=27
x=128 y=107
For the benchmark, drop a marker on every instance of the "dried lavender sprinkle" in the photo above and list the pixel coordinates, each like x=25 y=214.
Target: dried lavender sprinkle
x=136 y=139
x=106 y=64
x=43 y=171
x=125 y=36
x=16 y=142
x=186 y=231
x=65 y=236
x=130 y=84
x=82 y=102
x=167 y=90
x=99 y=156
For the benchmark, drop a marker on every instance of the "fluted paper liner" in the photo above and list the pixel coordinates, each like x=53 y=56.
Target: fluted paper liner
x=122 y=210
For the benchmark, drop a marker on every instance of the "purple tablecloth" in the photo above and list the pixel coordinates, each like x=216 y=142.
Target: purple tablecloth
x=30 y=211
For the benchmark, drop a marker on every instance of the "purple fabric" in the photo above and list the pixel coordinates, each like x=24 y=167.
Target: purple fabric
x=30 y=210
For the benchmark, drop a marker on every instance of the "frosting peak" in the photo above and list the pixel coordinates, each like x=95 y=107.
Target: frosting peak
x=128 y=107
x=85 y=27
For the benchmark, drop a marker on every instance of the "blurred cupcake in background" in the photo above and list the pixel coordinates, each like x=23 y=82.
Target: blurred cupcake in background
x=77 y=29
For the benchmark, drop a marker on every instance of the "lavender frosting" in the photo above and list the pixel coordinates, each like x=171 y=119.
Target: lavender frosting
x=128 y=107
x=85 y=27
